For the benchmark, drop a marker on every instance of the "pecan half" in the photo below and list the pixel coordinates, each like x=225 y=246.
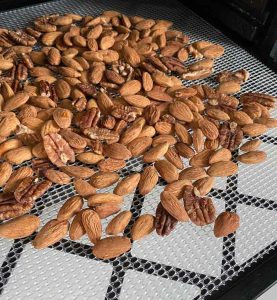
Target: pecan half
x=264 y=99
x=200 y=209
x=21 y=72
x=152 y=114
x=87 y=89
x=90 y=118
x=174 y=64
x=126 y=113
x=41 y=165
x=108 y=122
x=102 y=134
x=22 y=38
x=230 y=135
x=239 y=76
x=164 y=222
x=57 y=149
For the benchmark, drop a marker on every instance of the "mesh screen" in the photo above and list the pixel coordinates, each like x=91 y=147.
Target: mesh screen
x=188 y=264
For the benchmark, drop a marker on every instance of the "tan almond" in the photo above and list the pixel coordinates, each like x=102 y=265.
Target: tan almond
x=147 y=81
x=156 y=152
x=137 y=100
x=62 y=117
x=209 y=129
x=173 y=206
x=104 y=103
x=19 y=227
x=103 y=179
x=6 y=172
x=107 y=209
x=249 y=146
x=92 y=225
x=70 y=208
x=225 y=223
x=83 y=188
x=117 y=151
x=77 y=230
x=77 y=171
x=241 y=118
x=173 y=157
x=201 y=159
x=89 y=158
x=164 y=128
x=74 y=140
x=103 y=198
x=177 y=187
x=218 y=114
x=118 y=223
x=111 y=164
x=148 y=180
x=127 y=185
x=183 y=134
x=17 y=177
x=16 y=101
x=204 y=185
x=130 y=88
x=9 y=145
x=19 y=155
x=166 y=170
x=184 y=150
x=57 y=176
x=222 y=154
x=49 y=126
x=130 y=56
x=171 y=140
x=50 y=233
x=132 y=132
x=228 y=87
x=38 y=151
x=222 y=169
x=139 y=145
x=111 y=247
x=254 y=129
x=142 y=227
x=198 y=140
x=252 y=157
x=181 y=111
x=193 y=173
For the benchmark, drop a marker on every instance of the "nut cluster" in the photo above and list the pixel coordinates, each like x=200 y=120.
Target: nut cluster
x=102 y=90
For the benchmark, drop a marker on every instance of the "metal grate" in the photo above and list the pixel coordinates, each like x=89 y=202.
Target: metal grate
x=191 y=262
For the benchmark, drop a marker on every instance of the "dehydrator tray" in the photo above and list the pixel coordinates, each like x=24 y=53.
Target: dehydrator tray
x=188 y=264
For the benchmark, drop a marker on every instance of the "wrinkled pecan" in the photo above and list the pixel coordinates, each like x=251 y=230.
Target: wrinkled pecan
x=120 y=126
x=40 y=165
x=80 y=103
x=21 y=72
x=44 y=88
x=22 y=38
x=102 y=134
x=87 y=89
x=155 y=61
x=108 y=122
x=30 y=190
x=31 y=31
x=14 y=209
x=90 y=118
x=164 y=222
x=168 y=118
x=201 y=210
x=126 y=113
x=230 y=135
x=96 y=146
x=16 y=86
x=57 y=149
x=152 y=114
x=26 y=59
x=239 y=76
x=7 y=198
x=174 y=64
x=264 y=99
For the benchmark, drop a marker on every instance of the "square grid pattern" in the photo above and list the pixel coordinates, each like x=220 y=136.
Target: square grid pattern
x=189 y=264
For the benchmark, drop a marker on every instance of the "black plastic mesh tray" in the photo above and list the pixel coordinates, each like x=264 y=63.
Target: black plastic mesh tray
x=191 y=262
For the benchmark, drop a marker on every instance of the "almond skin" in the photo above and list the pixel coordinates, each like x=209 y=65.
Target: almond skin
x=176 y=187
x=50 y=233
x=148 y=180
x=77 y=230
x=57 y=176
x=252 y=157
x=142 y=227
x=167 y=170
x=76 y=171
x=89 y=158
x=6 y=172
x=107 y=209
x=83 y=188
x=193 y=173
x=71 y=206
x=130 y=88
x=92 y=225
x=173 y=206
x=111 y=247
x=139 y=145
x=226 y=223
x=222 y=169
x=181 y=111
x=201 y=159
x=220 y=155
x=119 y=223
x=103 y=198
x=127 y=185
x=16 y=101
x=204 y=185
x=19 y=227
x=117 y=151
x=155 y=153
x=254 y=129
x=173 y=157
x=101 y=180
x=251 y=145
x=209 y=129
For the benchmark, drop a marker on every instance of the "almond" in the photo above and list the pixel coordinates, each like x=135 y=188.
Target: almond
x=268 y=122
x=130 y=56
x=76 y=171
x=83 y=188
x=139 y=145
x=104 y=102
x=70 y=208
x=62 y=89
x=103 y=179
x=103 y=198
x=254 y=129
x=142 y=227
x=62 y=117
x=218 y=114
x=117 y=151
x=226 y=223
x=19 y=227
x=173 y=206
x=119 y=223
x=74 y=140
x=228 y=87
x=89 y=158
x=183 y=134
x=6 y=172
x=17 y=177
x=111 y=247
x=171 y=140
x=147 y=81
x=16 y=101
x=222 y=169
x=184 y=150
x=173 y=157
x=38 y=151
x=111 y=164
x=193 y=173
x=241 y=118
x=137 y=100
x=176 y=187
x=167 y=170
x=181 y=111
x=222 y=154
x=212 y=51
x=49 y=126
x=106 y=42
x=156 y=152
x=148 y=180
x=132 y=132
x=50 y=233
x=250 y=145
x=9 y=145
x=8 y=124
x=164 y=128
x=19 y=155
x=107 y=209
x=204 y=185
x=127 y=185
x=57 y=176
x=252 y=157
x=209 y=129
x=130 y=88
x=92 y=225
x=201 y=159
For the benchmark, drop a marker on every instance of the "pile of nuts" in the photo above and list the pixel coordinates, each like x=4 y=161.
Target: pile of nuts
x=102 y=90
